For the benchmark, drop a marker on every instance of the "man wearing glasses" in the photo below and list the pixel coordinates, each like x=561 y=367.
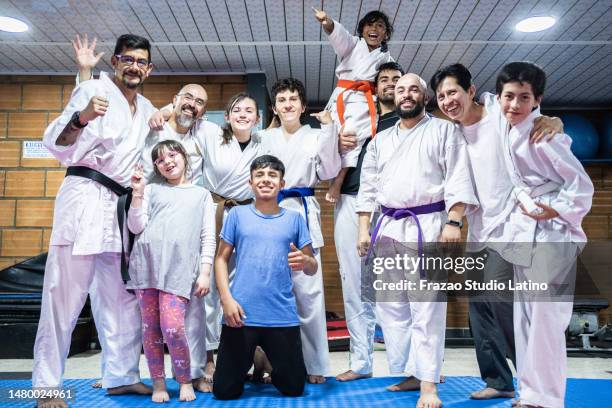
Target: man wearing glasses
x=100 y=136
x=178 y=119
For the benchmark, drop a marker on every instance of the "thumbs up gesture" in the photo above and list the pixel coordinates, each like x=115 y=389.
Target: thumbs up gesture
x=296 y=258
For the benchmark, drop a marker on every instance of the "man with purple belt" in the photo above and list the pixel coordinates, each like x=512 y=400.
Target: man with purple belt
x=418 y=172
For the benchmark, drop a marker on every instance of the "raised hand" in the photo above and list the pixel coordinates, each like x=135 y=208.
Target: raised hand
x=320 y=15
x=158 y=119
x=324 y=117
x=326 y=22
x=86 y=57
x=138 y=182
x=97 y=106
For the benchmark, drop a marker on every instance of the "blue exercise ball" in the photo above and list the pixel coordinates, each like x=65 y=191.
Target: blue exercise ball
x=606 y=138
x=585 y=140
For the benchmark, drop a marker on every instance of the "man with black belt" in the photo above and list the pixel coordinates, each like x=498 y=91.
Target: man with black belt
x=100 y=136
x=360 y=318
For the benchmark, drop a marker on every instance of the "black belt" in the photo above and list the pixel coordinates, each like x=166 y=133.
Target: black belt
x=123 y=205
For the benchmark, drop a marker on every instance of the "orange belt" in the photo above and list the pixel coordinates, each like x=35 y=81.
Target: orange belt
x=362 y=86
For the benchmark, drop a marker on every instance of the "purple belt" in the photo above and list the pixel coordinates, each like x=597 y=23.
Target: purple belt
x=399 y=213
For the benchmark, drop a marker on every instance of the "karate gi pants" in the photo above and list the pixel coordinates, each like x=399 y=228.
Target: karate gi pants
x=67 y=281
x=492 y=326
x=195 y=329
x=539 y=327
x=360 y=315
x=414 y=327
x=214 y=311
x=308 y=291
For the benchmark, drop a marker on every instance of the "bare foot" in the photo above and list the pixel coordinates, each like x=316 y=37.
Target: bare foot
x=491 y=393
x=160 y=393
x=316 y=379
x=201 y=385
x=409 y=384
x=429 y=396
x=51 y=403
x=97 y=384
x=209 y=371
x=267 y=379
x=186 y=392
x=138 y=388
x=350 y=375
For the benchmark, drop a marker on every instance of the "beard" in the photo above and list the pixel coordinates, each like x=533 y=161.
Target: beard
x=131 y=85
x=183 y=120
x=419 y=107
x=386 y=99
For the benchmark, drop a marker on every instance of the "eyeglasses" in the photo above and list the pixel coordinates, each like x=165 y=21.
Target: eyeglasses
x=129 y=60
x=187 y=97
x=170 y=155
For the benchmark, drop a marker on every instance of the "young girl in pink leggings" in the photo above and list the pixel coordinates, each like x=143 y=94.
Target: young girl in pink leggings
x=172 y=256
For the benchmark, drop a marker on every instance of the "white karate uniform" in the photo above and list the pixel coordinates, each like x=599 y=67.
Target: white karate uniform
x=357 y=63
x=309 y=155
x=490 y=176
x=226 y=172
x=85 y=243
x=539 y=324
x=359 y=314
x=403 y=169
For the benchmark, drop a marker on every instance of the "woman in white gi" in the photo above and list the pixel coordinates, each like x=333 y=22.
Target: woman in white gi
x=553 y=194
x=228 y=153
x=310 y=155
x=170 y=262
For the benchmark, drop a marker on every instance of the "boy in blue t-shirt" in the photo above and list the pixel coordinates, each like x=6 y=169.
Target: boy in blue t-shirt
x=260 y=308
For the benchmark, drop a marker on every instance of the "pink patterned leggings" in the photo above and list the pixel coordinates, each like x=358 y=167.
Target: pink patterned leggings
x=163 y=317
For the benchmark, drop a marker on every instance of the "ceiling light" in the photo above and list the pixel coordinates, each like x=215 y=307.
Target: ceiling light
x=12 y=25
x=534 y=24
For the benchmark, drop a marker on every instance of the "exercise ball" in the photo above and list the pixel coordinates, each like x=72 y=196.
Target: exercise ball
x=585 y=140
x=606 y=138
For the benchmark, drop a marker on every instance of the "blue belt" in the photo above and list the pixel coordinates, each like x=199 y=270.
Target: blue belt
x=297 y=192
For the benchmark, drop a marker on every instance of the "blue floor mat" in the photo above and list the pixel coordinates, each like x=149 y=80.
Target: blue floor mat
x=368 y=393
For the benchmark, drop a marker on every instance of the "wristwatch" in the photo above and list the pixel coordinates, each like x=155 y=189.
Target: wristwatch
x=455 y=223
x=74 y=121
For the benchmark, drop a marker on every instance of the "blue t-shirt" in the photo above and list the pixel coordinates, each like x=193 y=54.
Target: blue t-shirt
x=262 y=283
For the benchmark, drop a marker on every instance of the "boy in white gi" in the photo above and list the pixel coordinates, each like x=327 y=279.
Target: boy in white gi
x=419 y=151
x=99 y=136
x=552 y=195
x=353 y=101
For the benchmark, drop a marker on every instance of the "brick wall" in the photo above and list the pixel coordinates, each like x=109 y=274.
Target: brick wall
x=28 y=186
